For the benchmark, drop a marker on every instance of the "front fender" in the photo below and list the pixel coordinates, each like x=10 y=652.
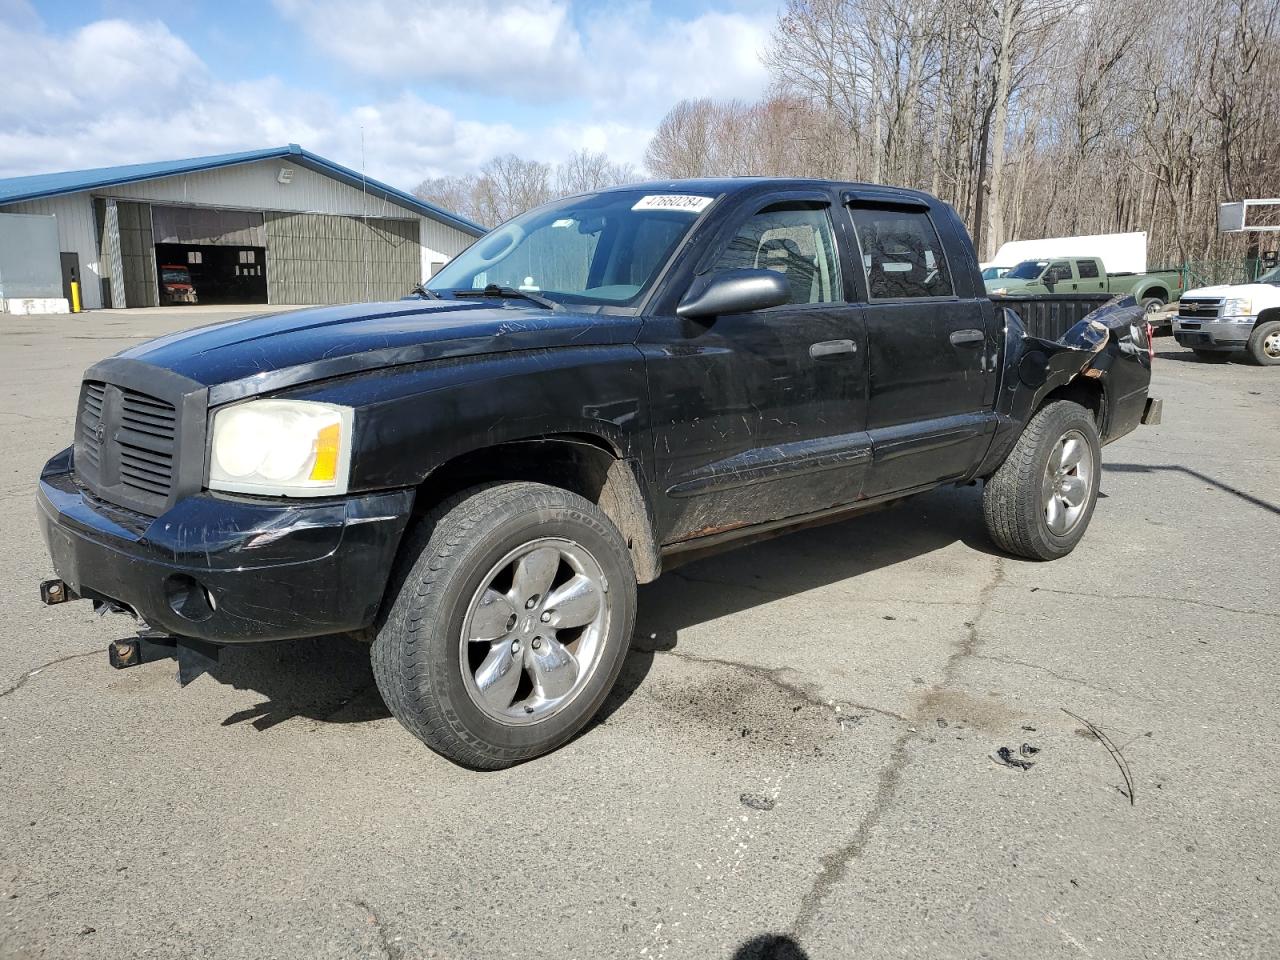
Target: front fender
x=410 y=420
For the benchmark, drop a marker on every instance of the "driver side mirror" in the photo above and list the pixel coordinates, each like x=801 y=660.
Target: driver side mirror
x=1049 y=280
x=734 y=291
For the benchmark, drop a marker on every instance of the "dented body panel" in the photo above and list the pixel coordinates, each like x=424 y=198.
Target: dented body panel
x=690 y=433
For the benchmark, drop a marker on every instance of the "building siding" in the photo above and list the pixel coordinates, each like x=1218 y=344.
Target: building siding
x=76 y=232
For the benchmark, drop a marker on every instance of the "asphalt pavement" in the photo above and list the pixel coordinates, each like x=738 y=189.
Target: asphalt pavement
x=801 y=759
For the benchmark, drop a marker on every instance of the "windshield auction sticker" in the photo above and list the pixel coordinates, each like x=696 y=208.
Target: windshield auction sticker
x=680 y=202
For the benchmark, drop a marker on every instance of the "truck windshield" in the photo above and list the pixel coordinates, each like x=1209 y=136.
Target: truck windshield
x=172 y=275
x=603 y=249
x=1272 y=277
x=1027 y=270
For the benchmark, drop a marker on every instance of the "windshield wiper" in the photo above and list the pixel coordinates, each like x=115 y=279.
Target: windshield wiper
x=493 y=290
x=421 y=290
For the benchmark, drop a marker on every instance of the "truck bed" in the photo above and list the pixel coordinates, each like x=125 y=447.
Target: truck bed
x=1050 y=315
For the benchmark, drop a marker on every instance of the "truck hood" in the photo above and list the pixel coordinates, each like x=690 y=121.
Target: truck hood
x=1269 y=293
x=240 y=358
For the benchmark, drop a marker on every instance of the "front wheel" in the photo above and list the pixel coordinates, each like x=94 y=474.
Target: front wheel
x=1039 y=502
x=510 y=623
x=1264 y=343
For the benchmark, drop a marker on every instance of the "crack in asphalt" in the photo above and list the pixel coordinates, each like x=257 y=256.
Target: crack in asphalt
x=773 y=675
x=835 y=864
x=1065 y=678
x=390 y=949
x=23 y=680
x=1144 y=596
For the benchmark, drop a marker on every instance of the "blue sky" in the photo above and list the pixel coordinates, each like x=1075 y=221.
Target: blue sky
x=438 y=86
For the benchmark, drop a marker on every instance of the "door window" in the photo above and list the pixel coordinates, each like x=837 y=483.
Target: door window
x=1058 y=272
x=1088 y=269
x=794 y=241
x=901 y=255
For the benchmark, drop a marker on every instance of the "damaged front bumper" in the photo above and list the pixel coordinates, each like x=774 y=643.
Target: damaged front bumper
x=226 y=569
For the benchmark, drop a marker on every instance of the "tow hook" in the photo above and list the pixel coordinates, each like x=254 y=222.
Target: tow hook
x=56 y=591
x=194 y=656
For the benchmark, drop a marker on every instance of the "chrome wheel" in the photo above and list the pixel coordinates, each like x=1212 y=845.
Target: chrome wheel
x=533 y=633
x=1068 y=482
x=1271 y=345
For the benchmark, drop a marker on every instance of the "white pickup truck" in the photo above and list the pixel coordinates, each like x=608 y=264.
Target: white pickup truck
x=1216 y=321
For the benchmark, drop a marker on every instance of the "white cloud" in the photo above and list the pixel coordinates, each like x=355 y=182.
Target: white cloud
x=622 y=57
x=124 y=91
x=116 y=92
x=490 y=46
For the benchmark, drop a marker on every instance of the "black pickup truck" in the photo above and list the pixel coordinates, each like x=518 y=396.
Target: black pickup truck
x=475 y=479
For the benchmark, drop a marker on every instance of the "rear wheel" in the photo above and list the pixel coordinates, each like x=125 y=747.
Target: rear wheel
x=509 y=626
x=1151 y=305
x=1039 y=503
x=1264 y=343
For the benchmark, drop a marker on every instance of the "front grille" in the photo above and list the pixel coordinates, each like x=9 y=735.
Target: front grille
x=126 y=444
x=90 y=418
x=146 y=443
x=1199 y=308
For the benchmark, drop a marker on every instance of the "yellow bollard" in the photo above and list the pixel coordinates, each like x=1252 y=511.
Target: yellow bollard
x=75 y=296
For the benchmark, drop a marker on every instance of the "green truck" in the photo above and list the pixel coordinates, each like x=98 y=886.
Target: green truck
x=1072 y=275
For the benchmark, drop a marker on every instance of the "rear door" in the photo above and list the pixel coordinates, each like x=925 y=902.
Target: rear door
x=1091 y=279
x=761 y=416
x=932 y=340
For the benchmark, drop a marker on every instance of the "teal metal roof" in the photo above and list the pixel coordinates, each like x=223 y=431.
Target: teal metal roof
x=16 y=189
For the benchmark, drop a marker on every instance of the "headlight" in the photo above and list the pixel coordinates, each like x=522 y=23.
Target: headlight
x=286 y=448
x=1237 y=308
x=999 y=291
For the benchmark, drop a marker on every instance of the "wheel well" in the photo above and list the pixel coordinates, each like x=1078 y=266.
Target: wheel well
x=582 y=464
x=1159 y=292
x=1266 y=316
x=1088 y=393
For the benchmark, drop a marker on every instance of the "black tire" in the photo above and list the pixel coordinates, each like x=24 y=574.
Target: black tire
x=1013 y=499
x=1211 y=356
x=416 y=655
x=1264 y=344
x=1151 y=305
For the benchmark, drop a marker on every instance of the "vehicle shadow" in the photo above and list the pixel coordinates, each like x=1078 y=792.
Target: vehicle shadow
x=1203 y=477
x=770 y=946
x=1188 y=356
x=329 y=679
x=740 y=579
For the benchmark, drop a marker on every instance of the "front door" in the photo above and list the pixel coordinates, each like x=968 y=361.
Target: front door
x=931 y=342
x=760 y=416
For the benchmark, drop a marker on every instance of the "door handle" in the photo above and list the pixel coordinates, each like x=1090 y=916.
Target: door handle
x=829 y=348
x=963 y=338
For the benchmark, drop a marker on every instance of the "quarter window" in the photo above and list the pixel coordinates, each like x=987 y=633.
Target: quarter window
x=1088 y=269
x=794 y=241
x=901 y=255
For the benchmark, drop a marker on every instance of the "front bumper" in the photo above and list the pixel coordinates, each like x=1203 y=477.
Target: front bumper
x=1229 y=333
x=227 y=569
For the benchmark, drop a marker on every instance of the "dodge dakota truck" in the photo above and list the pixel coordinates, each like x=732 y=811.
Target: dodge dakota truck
x=1218 y=321
x=475 y=480
x=1088 y=275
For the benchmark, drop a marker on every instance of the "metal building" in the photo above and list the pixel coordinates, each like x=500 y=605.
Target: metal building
x=280 y=225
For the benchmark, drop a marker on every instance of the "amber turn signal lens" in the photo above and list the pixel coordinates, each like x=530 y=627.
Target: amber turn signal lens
x=328 y=443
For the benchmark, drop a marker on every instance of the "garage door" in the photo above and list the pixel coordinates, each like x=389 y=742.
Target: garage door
x=320 y=258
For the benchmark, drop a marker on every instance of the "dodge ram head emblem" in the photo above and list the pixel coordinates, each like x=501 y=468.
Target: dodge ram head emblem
x=100 y=434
